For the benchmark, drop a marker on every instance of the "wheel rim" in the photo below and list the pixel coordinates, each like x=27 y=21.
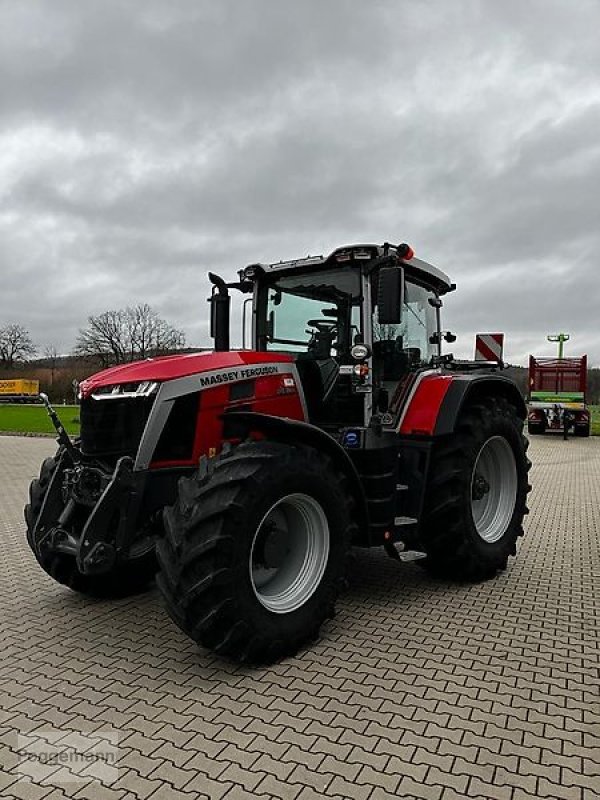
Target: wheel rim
x=494 y=489
x=289 y=553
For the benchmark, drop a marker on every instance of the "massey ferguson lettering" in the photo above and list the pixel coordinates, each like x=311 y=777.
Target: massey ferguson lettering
x=236 y=375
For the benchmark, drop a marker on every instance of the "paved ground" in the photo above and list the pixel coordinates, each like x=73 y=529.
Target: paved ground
x=416 y=689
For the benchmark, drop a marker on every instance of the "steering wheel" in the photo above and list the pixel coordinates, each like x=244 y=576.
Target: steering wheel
x=323 y=325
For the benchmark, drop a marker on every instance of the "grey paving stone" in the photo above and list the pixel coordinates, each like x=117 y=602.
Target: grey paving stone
x=418 y=686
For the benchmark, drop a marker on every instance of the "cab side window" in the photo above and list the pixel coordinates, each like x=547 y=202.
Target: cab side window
x=405 y=346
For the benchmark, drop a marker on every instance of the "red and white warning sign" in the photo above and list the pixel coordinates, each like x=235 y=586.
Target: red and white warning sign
x=489 y=346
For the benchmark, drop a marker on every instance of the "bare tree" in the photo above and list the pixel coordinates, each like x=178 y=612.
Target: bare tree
x=16 y=345
x=149 y=334
x=103 y=338
x=116 y=337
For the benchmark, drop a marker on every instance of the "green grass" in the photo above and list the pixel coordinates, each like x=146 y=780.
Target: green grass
x=595 y=420
x=34 y=419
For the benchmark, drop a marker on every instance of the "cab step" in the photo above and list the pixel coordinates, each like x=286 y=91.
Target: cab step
x=397 y=551
x=411 y=555
x=400 y=521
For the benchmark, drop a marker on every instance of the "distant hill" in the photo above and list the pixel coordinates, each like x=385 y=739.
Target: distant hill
x=519 y=376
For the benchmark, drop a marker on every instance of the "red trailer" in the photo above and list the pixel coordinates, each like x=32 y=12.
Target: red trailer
x=557 y=389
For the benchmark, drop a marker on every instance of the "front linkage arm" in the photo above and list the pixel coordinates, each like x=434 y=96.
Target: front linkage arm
x=114 y=506
x=62 y=437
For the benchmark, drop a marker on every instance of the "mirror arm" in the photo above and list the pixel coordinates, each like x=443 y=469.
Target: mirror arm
x=438 y=322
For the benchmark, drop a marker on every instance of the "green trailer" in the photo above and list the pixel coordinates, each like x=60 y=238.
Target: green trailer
x=557 y=395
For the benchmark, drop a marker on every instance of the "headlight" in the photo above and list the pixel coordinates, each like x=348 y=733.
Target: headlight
x=121 y=390
x=360 y=352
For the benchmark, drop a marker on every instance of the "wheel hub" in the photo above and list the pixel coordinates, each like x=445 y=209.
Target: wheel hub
x=480 y=487
x=271 y=547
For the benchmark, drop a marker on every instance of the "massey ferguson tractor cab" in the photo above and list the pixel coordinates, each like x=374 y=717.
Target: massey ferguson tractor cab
x=244 y=477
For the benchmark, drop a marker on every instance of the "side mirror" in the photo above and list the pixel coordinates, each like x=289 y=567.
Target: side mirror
x=389 y=295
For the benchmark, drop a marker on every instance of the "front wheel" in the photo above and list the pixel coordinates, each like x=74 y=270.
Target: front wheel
x=254 y=550
x=476 y=499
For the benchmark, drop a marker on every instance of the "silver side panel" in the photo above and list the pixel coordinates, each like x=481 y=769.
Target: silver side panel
x=171 y=390
x=301 y=394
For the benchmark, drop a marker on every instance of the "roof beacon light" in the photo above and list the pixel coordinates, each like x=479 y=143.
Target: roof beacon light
x=405 y=252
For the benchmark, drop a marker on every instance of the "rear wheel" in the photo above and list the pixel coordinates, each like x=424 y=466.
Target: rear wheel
x=124 y=579
x=536 y=427
x=254 y=550
x=476 y=499
x=584 y=430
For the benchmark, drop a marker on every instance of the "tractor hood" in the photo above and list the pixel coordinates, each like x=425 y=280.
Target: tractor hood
x=166 y=368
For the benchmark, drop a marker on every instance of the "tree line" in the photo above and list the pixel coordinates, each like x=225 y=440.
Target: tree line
x=116 y=337
x=113 y=337
x=128 y=334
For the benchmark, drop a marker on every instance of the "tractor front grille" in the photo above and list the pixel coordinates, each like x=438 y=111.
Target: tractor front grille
x=113 y=427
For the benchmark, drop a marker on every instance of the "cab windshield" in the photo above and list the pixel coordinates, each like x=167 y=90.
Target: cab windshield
x=317 y=314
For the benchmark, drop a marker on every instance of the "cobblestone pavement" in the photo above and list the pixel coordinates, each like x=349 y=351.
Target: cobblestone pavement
x=417 y=689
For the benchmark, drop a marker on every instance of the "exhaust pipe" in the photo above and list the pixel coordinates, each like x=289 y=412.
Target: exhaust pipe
x=220 y=307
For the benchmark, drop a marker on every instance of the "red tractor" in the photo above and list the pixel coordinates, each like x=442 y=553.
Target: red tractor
x=244 y=477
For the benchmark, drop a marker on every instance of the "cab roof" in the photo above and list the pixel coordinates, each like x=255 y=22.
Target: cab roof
x=357 y=254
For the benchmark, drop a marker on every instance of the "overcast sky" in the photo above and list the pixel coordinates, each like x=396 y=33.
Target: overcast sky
x=143 y=143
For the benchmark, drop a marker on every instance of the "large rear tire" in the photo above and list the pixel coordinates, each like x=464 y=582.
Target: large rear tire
x=476 y=498
x=125 y=579
x=583 y=431
x=255 y=549
x=534 y=428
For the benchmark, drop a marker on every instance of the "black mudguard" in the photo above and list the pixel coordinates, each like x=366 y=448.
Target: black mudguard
x=466 y=389
x=241 y=423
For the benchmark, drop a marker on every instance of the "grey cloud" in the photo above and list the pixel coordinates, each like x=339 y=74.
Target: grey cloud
x=142 y=144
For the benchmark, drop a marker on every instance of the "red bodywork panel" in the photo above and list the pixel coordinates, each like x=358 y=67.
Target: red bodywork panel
x=267 y=399
x=278 y=394
x=424 y=406
x=168 y=368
